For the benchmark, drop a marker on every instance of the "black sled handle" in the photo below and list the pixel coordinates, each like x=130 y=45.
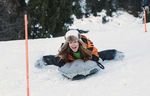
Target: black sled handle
x=100 y=65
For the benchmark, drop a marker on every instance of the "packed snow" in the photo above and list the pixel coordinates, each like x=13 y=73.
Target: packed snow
x=127 y=77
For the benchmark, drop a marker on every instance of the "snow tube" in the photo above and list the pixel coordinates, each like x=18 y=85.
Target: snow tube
x=79 y=69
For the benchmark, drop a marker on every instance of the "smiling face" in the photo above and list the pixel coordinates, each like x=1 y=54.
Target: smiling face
x=74 y=45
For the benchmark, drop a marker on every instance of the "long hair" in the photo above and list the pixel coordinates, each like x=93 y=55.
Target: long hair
x=66 y=50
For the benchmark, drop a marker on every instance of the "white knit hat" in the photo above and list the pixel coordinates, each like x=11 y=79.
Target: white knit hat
x=74 y=33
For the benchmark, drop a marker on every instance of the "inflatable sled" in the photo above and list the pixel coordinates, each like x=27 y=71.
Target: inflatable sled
x=79 y=69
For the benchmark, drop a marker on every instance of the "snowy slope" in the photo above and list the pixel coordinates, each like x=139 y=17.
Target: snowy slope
x=127 y=77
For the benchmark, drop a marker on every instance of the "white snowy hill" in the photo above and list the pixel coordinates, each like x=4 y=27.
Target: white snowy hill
x=127 y=77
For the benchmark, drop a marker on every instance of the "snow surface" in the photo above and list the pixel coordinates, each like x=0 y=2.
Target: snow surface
x=127 y=77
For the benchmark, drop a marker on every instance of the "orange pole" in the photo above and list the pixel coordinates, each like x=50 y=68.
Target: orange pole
x=27 y=56
x=145 y=27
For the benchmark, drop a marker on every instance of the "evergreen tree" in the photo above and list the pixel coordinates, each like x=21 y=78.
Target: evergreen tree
x=76 y=8
x=131 y=6
x=49 y=17
x=94 y=6
x=53 y=17
x=11 y=19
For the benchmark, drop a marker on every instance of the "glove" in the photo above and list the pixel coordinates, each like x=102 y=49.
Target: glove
x=95 y=58
x=61 y=63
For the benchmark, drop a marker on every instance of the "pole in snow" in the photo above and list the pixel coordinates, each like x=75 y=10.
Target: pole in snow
x=27 y=55
x=26 y=47
x=145 y=27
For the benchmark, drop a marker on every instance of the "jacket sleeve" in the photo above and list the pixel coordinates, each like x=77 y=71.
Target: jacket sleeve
x=90 y=46
x=88 y=43
x=61 y=63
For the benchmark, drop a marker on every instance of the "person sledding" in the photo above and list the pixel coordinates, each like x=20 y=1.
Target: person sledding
x=78 y=57
x=76 y=47
x=77 y=52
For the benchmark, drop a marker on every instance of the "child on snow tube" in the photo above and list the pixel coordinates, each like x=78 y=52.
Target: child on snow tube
x=78 y=48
